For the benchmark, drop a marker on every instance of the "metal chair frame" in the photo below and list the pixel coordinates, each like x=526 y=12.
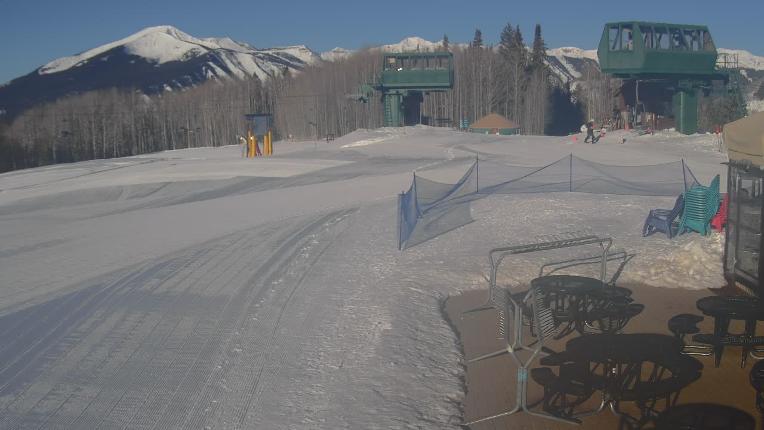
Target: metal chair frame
x=542 y=314
x=497 y=255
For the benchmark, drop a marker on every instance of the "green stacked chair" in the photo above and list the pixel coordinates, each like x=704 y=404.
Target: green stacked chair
x=700 y=205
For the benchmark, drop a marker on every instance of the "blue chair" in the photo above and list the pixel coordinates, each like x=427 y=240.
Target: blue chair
x=663 y=219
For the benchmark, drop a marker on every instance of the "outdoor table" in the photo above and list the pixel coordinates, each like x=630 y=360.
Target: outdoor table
x=723 y=310
x=639 y=368
x=704 y=416
x=756 y=377
x=579 y=300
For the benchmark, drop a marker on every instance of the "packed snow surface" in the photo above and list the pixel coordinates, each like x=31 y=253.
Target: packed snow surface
x=197 y=289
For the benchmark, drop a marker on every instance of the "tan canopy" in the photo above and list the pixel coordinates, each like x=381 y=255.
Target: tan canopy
x=493 y=120
x=745 y=138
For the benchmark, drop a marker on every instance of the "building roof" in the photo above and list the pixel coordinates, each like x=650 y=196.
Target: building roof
x=493 y=120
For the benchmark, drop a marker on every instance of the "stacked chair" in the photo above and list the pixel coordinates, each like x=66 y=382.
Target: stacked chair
x=700 y=205
x=663 y=219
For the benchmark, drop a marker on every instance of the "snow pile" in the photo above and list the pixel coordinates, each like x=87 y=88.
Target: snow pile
x=694 y=265
x=755 y=106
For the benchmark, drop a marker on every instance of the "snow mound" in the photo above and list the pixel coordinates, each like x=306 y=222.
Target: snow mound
x=756 y=106
x=694 y=265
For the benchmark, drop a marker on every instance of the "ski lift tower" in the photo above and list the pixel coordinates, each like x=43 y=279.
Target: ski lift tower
x=663 y=66
x=406 y=77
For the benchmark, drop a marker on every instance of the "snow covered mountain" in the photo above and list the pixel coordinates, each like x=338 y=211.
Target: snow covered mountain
x=412 y=43
x=164 y=58
x=336 y=54
x=153 y=60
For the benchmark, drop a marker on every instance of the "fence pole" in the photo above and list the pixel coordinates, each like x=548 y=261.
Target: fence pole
x=570 y=179
x=477 y=174
x=400 y=220
x=416 y=199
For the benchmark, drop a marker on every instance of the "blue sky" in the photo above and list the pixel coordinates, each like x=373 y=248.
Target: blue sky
x=34 y=32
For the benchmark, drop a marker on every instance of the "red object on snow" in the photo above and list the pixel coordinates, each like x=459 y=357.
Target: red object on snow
x=720 y=219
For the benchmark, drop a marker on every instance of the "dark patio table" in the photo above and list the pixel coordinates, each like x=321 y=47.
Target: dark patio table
x=723 y=310
x=580 y=301
x=646 y=369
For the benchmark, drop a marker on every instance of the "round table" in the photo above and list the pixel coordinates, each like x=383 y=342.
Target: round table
x=641 y=368
x=725 y=309
x=756 y=377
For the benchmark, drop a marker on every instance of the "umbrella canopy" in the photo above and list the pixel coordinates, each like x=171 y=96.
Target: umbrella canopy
x=745 y=139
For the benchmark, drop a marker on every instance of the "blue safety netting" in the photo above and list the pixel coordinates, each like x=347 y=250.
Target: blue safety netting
x=430 y=208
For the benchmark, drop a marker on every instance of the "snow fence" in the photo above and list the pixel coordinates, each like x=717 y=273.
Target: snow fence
x=429 y=208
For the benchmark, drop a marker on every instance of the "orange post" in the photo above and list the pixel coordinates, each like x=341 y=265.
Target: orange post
x=250 y=144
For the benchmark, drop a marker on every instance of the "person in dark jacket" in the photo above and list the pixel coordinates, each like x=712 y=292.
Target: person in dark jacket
x=590 y=132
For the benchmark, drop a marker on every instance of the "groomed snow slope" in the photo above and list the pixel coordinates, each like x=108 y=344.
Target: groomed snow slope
x=194 y=289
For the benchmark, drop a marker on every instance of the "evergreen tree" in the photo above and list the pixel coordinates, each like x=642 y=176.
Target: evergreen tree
x=518 y=46
x=477 y=41
x=538 y=53
x=505 y=42
x=760 y=93
x=445 y=42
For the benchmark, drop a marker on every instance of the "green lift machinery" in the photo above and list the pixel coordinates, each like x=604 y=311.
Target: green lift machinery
x=664 y=66
x=405 y=78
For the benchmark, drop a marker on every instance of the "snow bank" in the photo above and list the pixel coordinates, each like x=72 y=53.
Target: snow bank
x=694 y=265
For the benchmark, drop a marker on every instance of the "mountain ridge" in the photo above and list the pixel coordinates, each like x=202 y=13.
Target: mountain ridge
x=162 y=58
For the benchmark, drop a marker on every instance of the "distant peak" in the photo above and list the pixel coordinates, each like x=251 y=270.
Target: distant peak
x=572 y=51
x=412 y=43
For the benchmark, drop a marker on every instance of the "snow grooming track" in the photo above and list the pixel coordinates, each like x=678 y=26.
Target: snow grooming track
x=145 y=347
x=253 y=360
x=94 y=363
